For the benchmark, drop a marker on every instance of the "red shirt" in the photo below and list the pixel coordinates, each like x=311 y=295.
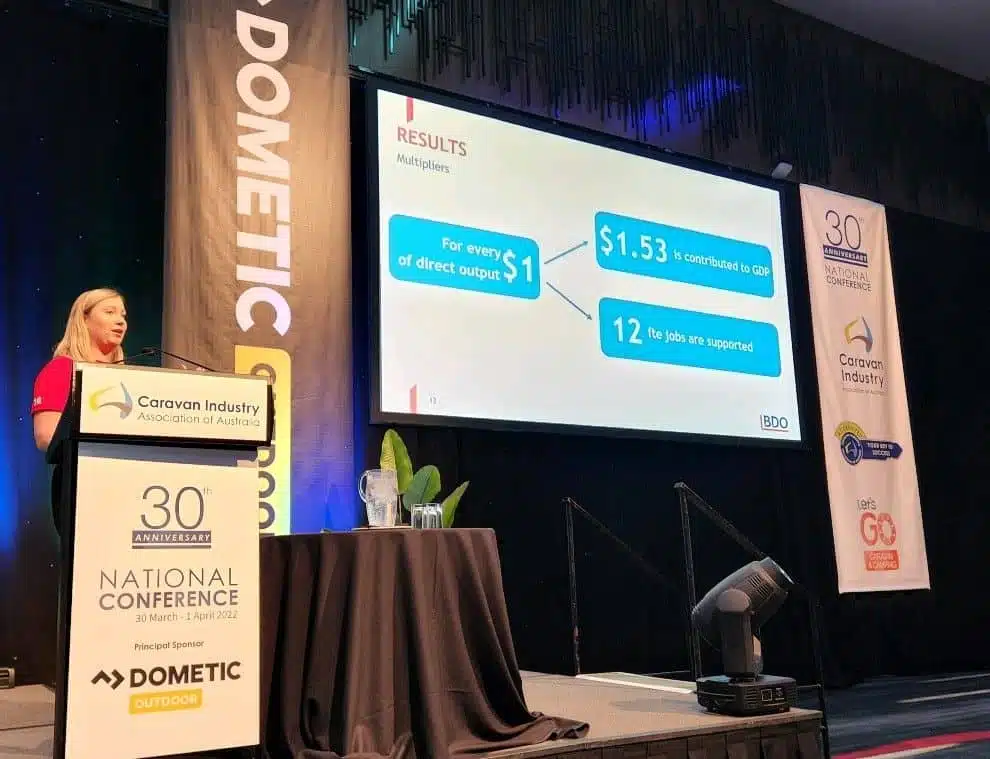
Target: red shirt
x=52 y=386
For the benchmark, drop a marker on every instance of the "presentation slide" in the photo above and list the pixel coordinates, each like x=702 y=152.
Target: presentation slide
x=527 y=277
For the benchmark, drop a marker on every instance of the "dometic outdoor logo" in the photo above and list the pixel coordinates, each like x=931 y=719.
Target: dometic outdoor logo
x=859 y=371
x=108 y=397
x=263 y=187
x=856 y=446
x=411 y=134
x=161 y=677
x=150 y=702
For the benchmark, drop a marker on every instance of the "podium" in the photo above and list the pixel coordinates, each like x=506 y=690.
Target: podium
x=156 y=492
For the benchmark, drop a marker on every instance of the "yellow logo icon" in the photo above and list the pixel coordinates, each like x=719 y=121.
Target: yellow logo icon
x=124 y=404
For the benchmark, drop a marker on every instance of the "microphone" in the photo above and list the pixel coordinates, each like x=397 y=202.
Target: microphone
x=185 y=362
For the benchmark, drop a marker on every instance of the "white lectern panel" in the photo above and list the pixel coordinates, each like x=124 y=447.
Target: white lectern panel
x=161 y=403
x=165 y=620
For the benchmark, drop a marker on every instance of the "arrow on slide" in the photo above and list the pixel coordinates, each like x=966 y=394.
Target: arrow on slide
x=572 y=303
x=580 y=245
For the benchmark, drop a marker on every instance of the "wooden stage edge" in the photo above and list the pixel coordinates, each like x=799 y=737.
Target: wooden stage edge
x=635 y=715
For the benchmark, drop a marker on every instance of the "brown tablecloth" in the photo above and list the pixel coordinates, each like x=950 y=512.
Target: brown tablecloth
x=372 y=637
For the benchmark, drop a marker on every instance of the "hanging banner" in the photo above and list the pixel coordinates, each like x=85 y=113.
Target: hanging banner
x=869 y=454
x=258 y=260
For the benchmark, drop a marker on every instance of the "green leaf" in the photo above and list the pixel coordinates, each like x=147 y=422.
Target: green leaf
x=423 y=487
x=395 y=457
x=451 y=502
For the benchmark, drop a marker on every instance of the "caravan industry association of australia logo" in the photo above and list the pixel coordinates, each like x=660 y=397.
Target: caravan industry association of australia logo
x=112 y=396
x=860 y=370
x=858 y=330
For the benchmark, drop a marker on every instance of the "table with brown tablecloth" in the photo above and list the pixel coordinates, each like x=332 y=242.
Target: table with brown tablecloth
x=391 y=643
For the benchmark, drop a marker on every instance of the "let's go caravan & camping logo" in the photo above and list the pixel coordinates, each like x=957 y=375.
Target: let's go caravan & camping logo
x=878 y=533
x=107 y=397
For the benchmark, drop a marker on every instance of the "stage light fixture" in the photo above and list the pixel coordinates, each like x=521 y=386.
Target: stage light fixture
x=729 y=618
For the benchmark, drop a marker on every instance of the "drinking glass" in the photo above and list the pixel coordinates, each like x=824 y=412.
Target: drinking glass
x=432 y=516
x=417 y=517
x=427 y=516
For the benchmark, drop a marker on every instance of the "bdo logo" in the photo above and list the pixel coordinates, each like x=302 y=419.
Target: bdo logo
x=771 y=423
x=107 y=397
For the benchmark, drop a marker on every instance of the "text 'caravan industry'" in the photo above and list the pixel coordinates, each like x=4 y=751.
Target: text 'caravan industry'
x=231 y=412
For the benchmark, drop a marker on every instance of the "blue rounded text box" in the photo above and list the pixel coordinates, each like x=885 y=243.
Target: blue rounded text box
x=647 y=249
x=464 y=258
x=662 y=335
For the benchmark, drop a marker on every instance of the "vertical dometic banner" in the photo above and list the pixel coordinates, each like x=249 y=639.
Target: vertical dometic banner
x=258 y=264
x=869 y=455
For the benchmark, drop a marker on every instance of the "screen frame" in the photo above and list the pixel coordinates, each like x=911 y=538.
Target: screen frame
x=375 y=83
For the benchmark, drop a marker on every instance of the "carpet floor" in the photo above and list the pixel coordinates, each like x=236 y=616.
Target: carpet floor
x=936 y=717
x=942 y=717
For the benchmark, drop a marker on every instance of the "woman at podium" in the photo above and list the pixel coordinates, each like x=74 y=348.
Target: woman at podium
x=94 y=333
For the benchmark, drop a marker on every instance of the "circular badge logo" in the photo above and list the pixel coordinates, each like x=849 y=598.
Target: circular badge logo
x=851 y=447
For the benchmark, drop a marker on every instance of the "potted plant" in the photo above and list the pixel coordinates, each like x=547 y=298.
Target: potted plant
x=420 y=486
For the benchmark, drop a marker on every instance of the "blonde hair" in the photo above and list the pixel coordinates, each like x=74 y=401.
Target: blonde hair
x=76 y=342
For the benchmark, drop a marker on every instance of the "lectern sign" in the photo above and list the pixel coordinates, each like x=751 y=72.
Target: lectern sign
x=165 y=617
x=121 y=400
x=160 y=648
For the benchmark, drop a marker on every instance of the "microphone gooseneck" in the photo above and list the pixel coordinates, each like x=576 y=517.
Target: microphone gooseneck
x=154 y=351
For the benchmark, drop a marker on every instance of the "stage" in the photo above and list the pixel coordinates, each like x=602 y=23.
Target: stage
x=639 y=716
x=630 y=715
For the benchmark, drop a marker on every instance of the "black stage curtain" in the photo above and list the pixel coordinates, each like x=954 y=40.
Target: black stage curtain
x=778 y=498
x=746 y=83
x=940 y=276
x=81 y=206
